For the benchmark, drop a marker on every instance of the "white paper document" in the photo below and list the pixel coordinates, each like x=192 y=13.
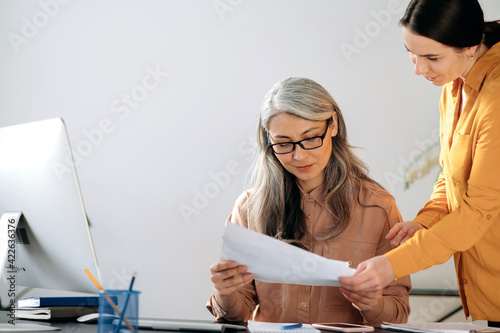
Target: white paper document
x=274 y=261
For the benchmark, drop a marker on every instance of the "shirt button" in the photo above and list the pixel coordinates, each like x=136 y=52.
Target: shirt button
x=303 y=304
x=464 y=281
x=488 y=216
x=309 y=197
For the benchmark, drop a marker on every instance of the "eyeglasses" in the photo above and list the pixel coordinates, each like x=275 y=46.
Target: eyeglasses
x=306 y=144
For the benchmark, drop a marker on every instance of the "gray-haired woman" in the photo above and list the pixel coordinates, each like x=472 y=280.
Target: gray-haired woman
x=311 y=190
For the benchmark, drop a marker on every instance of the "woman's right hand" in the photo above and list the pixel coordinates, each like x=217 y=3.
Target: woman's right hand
x=402 y=231
x=228 y=276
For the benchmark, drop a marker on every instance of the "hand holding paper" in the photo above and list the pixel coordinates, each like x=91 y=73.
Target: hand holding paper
x=274 y=261
x=228 y=276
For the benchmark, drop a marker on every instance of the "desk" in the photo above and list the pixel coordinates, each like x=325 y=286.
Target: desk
x=80 y=328
x=92 y=328
x=88 y=328
x=73 y=327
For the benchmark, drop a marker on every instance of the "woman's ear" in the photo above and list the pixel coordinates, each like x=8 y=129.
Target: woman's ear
x=471 y=50
x=334 y=124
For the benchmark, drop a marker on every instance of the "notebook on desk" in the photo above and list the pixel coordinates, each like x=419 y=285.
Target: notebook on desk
x=188 y=325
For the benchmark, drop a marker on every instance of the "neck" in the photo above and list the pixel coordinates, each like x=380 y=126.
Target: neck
x=310 y=186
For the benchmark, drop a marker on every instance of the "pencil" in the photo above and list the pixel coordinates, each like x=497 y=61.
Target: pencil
x=110 y=301
x=122 y=316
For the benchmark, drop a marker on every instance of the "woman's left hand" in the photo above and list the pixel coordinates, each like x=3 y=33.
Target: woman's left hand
x=403 y=231
x=364 y=301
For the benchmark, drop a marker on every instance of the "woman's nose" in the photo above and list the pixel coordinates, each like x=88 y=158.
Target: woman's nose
x=421 y=66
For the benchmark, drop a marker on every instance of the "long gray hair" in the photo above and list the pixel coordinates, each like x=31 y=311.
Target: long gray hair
x=274 y=205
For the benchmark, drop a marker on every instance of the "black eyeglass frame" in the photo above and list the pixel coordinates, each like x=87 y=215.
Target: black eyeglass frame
x=322 y=137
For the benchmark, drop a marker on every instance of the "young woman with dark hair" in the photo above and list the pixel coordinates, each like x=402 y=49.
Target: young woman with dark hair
x=452 y=46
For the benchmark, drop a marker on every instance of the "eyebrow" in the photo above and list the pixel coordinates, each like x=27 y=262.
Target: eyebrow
x=423 y=55
x=280 y=136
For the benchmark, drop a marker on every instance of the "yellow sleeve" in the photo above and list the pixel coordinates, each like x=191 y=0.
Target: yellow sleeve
x=477 y=208
x=436 y=208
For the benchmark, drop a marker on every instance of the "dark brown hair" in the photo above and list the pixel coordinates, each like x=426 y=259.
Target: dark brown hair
x=456 y=23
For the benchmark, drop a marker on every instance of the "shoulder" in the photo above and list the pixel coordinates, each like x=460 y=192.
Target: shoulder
x=239 y=215
x=489 y=98
x=492 y=75
x=492 y=59
x=375 y=197
x=488 y=78
x=243 y=198
x=491 y=85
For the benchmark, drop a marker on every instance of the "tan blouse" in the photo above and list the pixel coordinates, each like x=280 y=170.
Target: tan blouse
x=363 y=238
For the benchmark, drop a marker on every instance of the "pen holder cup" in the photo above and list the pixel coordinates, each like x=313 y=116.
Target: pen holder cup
x=118 y=311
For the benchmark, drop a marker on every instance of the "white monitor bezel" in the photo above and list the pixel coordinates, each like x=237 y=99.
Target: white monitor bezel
x=40 y=180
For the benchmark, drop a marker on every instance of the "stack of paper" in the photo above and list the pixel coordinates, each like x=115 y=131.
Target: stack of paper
x=56 y=307
x=54 y=313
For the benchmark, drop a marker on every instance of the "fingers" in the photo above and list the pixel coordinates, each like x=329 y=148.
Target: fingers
x=401 y=232
x=397 y=234
x=225 y=270
x=362 y=280
x=228 y=276
x=222 y=265
x=234 y=283
x=408 y=236
x=394 y=230
x=362 y=301
x=349 y=296
x=399 y=238
x=358 y=283
x=372 y=275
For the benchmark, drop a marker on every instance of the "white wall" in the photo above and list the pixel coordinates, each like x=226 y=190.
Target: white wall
x=161 y=99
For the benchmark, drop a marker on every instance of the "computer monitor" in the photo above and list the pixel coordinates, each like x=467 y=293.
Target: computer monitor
x=38 y=178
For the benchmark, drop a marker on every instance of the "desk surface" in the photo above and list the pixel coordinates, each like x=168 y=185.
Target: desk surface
x=74 y=327
x=92 y=328
x=88 y=328
x=83 y=328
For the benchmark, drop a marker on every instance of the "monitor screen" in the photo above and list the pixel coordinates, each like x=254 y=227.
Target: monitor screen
x=38 y=178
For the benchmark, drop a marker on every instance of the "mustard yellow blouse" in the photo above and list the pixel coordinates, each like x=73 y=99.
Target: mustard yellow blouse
x=462 y=215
